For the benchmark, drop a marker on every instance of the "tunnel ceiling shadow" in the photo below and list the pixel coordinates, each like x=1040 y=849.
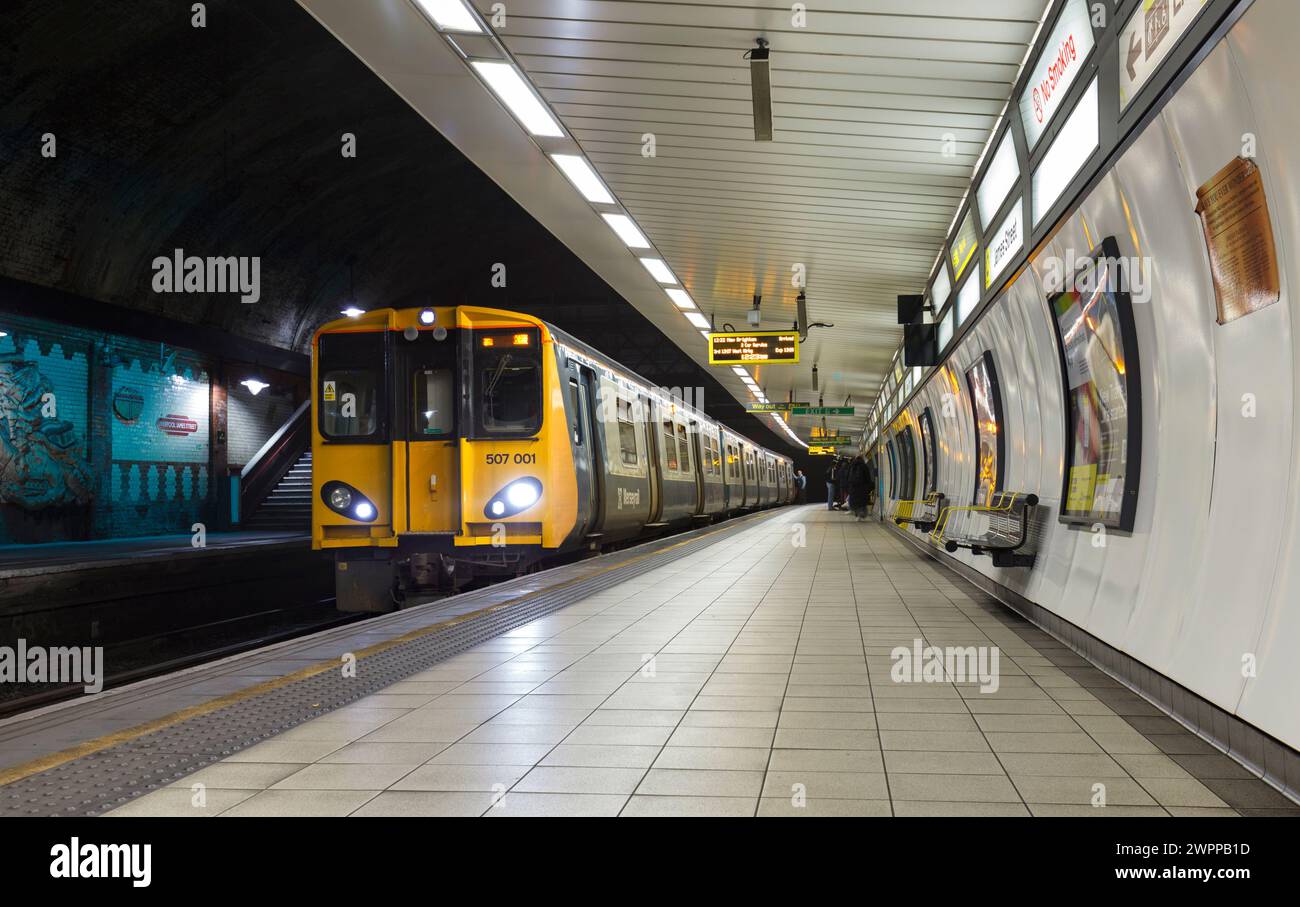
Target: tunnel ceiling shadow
x=227 y=140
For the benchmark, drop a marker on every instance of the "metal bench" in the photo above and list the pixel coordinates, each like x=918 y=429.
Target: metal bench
x=922 y=514
x=1001 y=529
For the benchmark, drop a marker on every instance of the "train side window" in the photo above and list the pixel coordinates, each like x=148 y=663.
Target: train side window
x=670 y=446
x=749 y=465
x=434 y=409
x=626 y=433
x=684 y=444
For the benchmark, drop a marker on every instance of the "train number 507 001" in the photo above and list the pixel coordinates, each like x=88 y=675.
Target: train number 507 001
x=500 y=459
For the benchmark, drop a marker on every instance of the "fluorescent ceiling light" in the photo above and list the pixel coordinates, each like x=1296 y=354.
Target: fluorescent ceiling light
x=579 y=172
x=450 y=14
x=681 y=298
x=658 y=270
x=738 y=370
x=508 y=85
x=627 y=231
x=698 y=320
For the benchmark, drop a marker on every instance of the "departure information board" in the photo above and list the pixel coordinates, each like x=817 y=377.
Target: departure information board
x=770 y=347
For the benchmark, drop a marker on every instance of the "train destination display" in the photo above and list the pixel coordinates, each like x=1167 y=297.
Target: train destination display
x=770 y=347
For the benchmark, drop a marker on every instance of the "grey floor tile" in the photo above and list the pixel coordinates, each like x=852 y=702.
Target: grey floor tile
x=818 y=807
x=302 y=803
x=539 y=804
x=555 y=779
x=941 y=808
x=428 y=803
x=700 y=783
x=643 y=805
x=953 y=787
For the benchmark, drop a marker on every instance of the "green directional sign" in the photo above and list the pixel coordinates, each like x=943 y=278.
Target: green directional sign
x=805 y=410
x=837 y=441
x=771 y=407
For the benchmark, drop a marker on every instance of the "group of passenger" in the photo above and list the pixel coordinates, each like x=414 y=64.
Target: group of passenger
x=851 y=485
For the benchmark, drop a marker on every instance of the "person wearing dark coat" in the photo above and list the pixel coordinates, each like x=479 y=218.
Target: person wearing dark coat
x=859 y=483
x=830 y=486
x=841 y=483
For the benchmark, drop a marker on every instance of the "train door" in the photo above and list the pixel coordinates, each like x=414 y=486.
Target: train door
x=701 y=457
x=653 y=452
x=586 y=386
x=586 y=459
x=428 y=427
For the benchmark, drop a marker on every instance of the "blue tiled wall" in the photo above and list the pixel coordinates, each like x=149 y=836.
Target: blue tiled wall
x=101 y=436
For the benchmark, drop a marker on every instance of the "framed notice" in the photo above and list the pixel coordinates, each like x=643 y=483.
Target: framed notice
x=928 y=452
x=1093 y=321
x=1239 y=238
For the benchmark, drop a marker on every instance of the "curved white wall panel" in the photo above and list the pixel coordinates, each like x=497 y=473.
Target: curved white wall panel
x=1209 y=578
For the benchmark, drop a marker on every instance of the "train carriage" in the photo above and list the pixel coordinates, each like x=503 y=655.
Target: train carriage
x=457 y=443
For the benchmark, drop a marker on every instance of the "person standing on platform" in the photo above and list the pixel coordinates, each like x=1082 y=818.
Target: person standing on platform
x=830 y=485
x=800 y=484
x=858 y=481
x=841 y=482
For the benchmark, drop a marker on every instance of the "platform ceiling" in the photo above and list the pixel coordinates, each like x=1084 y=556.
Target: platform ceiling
x=881 y=111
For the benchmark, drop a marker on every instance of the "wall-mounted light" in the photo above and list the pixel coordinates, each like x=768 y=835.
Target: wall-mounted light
x=254 y=386
x=353 y=312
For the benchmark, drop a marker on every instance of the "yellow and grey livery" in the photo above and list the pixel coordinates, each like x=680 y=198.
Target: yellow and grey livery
x=455 y=443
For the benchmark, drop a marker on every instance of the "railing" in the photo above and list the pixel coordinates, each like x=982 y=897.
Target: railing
x=999 y=529
x=269 y=465
x=922 y=514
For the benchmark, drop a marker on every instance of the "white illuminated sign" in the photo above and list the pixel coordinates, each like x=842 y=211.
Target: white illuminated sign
x=940 y=289
x=1058 y=66
x=945 y=330
x=998 y=180
x=968 y=297
x=1003 y=245
x=1151 y=32
x=1070 y=150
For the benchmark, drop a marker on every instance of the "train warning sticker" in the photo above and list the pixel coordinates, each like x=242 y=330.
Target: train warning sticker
x=1239 y=237
x=329 y=392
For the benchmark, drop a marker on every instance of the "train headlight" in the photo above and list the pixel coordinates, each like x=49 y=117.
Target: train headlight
x=346 y=500
x=518 y=496
x=522 y=494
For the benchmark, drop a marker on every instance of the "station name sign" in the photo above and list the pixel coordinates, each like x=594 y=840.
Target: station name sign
x=771 y=347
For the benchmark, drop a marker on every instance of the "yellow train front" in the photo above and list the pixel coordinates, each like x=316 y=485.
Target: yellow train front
x=448 y=447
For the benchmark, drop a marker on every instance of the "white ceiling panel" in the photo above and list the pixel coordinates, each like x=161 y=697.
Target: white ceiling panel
x=881 y=109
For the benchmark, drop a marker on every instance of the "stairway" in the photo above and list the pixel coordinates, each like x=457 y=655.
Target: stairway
x=288 y=506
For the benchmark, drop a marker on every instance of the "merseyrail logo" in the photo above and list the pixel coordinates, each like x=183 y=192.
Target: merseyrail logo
x=75 y=860
x=629 y=497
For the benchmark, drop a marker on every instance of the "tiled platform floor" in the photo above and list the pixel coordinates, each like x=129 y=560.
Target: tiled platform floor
x=752 y=678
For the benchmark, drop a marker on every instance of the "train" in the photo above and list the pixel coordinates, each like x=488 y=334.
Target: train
x=456 y=444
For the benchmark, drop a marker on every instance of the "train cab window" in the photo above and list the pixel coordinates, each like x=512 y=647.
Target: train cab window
x=351 y=396
x=670 y=446
x=434 y=412
x=626 y=433
x=684 y=444
x=507 y=376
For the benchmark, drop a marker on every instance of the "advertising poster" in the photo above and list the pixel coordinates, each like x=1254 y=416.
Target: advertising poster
x=1094 y=329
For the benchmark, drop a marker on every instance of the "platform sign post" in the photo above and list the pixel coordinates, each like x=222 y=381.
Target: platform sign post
x=754 y=348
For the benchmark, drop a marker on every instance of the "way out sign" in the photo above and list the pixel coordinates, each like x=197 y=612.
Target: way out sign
x=1148 y=36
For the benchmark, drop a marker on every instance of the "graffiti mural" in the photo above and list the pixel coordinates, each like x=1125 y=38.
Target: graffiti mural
x=41 y=461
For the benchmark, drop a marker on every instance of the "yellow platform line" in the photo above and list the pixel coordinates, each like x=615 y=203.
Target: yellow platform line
x=62 y=757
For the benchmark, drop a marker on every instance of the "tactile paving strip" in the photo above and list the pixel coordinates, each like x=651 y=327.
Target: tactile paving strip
x=102 y=781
